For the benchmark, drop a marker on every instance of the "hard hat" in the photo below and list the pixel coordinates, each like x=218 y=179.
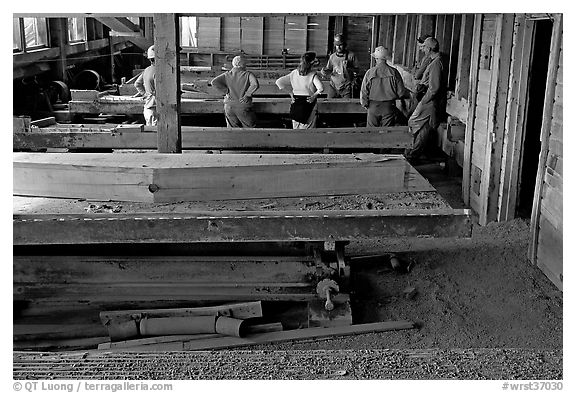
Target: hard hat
x=339 y=39
x=150 y=53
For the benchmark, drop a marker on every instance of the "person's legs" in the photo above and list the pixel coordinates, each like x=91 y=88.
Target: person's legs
x=311 y=123
x=150 y=116
x=247 y=117
x=232 y=120
x=420 y=142
x=373 y=117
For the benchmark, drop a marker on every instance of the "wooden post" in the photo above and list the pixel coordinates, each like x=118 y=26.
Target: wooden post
x=490 y=184
x=464 y=55
x=472 y=94
x=553 y=63
x=58 y=38
x=167 y=47
x=374 y=42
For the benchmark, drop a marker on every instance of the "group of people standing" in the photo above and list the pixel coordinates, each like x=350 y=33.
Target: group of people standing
x=382 y=85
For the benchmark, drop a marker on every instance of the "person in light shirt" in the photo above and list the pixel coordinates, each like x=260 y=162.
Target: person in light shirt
x=304 y=86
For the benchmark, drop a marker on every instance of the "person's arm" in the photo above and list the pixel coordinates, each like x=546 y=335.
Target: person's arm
x=254 y=85
x=220 y=83
x=419 y=72
x=319 y=88
x=139 y=85
x=435 y=81
x=365 y=91
x=352 y=63
x=401 y=91
x=284 y=83
x=328 y=69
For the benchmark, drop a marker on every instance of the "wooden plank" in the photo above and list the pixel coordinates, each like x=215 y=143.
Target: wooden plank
x=287 y=335
x=454 y=51
x=464 y=57
x=468 y=143
x=128 y=105
x=295 y=34
x=240 y=226
x=360 y=139
x=48 y=121
x=553 y=65
x=167 y=44
x=29 y=332
x=273 y=34
x=231 y=34
x=515 y=114
x=400 y=34
x=491 y=172
x=251 y=36
x=208 y=32
x=550 y=247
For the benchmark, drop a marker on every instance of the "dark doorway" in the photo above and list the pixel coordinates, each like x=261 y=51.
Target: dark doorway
x=534 y=111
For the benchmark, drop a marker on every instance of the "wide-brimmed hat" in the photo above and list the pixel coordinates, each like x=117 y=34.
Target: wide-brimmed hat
x=150 y=52
x=381 y=53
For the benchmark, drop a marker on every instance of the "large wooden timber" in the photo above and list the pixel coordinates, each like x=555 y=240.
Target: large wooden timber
x=154 y=177
x=130 y=105
x=249 y=226
x=126 y=137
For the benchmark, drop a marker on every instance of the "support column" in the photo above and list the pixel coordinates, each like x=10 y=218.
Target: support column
x=167 y=48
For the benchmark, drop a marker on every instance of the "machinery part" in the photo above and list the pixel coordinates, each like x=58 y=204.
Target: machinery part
x=178 y=325
x=58 y=92
x=87 y=80
x=325 y=289
x=230 y=326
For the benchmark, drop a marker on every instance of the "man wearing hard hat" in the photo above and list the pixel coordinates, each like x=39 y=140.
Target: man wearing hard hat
x=146 y=86
x=342 y=69
x=381 y=87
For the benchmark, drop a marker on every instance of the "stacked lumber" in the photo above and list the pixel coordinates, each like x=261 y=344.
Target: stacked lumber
x=157 y=177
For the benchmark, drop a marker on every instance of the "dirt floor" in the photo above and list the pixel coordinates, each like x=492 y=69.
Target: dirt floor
x=478 y=293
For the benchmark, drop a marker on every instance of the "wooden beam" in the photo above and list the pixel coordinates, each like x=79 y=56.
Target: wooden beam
x=287 y=335
x=239 y=226
x=454 y=52
x=129 y=105
x=464 y=56
x=167 y=44
x=161 y=178
x=472 y=95
x=490 y=184
x=359 y=139
x=553 y=64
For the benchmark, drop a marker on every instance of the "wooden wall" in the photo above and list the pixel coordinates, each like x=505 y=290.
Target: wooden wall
x=269 y=35
x=547 y=213
x=479 y=126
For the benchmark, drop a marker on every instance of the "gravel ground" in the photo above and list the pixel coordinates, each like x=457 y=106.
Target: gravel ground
x=430 y=364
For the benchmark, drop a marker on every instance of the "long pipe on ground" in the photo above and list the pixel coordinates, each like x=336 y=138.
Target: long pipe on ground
x=192 y=325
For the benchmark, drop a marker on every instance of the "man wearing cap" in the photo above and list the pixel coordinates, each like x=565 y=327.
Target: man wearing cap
x=381 y=87
x=421 y=67
x=432 y=107
x=239 y=85
x=342 y=68
x=146 y=86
